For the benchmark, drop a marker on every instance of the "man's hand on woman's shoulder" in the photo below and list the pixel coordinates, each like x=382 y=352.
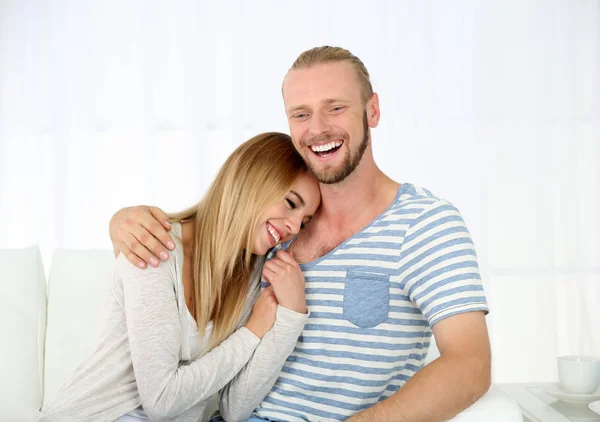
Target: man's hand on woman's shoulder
x=141 y=234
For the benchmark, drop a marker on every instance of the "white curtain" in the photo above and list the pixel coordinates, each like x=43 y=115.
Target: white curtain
x=494 y=105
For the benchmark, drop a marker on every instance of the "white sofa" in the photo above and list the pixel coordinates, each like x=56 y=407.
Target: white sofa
x=49 y=328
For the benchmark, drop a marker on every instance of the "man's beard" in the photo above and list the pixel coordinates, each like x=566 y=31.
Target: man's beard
x=351 y=160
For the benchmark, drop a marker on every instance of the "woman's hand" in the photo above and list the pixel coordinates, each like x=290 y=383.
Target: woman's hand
x=263 y=313
x=287 y=280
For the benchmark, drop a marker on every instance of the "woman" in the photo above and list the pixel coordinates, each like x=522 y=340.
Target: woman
x=178 y=333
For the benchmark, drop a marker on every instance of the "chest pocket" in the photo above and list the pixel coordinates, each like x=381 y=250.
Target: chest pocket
x=366 y=298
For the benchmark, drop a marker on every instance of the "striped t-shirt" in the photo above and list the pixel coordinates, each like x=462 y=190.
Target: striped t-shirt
x=373 y=301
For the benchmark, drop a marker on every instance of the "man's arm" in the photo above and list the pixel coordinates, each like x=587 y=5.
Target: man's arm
x=140 y=233
x=449 y=384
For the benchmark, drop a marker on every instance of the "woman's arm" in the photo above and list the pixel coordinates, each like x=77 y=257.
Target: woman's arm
x=167 y=388
x=239 y=399
x=247 y=390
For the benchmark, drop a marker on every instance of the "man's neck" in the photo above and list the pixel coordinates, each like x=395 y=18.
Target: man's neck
x=358 y=198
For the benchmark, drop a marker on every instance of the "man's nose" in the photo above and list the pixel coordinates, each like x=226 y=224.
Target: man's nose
x=318 y=124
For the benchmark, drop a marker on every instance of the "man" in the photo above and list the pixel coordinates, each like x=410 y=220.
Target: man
x=384 y=263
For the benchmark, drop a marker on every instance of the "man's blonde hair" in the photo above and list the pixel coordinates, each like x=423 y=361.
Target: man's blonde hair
x=327 y=54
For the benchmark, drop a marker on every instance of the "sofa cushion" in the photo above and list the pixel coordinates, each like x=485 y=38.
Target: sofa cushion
x=76 y=296
x=22 y=324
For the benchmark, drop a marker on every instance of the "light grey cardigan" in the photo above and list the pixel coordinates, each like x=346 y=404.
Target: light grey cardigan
x=142 y=357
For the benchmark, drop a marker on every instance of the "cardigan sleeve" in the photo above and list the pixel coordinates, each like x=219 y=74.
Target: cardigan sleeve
x=166 y=386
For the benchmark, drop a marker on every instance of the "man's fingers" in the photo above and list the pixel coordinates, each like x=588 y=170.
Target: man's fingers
x=151 y=244
x=163 y=219
x=157 y=224
x=161 y=216
x=153 y=240
x=134 y=243
x=131 y=256
x=135 y=260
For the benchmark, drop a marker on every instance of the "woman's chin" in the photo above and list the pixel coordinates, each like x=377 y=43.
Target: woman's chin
x=260 y=250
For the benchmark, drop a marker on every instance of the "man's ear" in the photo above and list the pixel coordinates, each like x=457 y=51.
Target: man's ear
x=372 y=110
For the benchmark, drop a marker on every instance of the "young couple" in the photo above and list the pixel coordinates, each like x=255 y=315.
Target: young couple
x=332 y=326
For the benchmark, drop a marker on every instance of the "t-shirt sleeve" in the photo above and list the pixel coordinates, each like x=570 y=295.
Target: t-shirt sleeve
x=438 y=264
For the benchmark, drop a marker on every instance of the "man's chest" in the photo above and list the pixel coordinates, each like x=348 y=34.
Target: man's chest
x=312 y=245
x=319 y=240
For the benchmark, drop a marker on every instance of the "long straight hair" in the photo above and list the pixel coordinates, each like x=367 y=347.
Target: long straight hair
x=260 y=172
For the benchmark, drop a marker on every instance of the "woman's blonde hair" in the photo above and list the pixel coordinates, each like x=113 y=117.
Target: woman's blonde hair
x=258 y=173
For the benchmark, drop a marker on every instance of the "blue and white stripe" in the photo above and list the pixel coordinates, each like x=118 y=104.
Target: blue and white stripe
x=373 y=301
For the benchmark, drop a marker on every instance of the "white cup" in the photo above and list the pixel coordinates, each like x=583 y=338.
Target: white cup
x=579 y=374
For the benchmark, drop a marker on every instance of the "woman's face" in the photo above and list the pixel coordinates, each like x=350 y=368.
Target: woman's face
x=279 y=222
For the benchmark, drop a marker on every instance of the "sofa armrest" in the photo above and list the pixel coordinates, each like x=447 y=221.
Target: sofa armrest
x=494 y=406
x=23 y=327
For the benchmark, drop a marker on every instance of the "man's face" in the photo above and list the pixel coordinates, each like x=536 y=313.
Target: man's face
x=328 y=121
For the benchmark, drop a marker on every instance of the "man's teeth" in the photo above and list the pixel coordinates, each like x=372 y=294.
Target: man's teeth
x=326 y=147
x=274 y=233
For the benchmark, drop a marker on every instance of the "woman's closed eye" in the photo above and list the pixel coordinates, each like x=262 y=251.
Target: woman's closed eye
x=291 y=204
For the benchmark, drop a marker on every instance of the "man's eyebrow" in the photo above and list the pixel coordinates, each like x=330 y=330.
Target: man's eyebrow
x=302 y=203
x=294 y=109
x=334 y=100
x=324 y=102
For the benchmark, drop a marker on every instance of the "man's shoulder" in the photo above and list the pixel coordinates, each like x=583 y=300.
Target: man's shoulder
x=414 y=196
x=413 y=204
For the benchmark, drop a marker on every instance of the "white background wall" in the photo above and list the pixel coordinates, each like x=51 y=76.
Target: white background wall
x=494 y=105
